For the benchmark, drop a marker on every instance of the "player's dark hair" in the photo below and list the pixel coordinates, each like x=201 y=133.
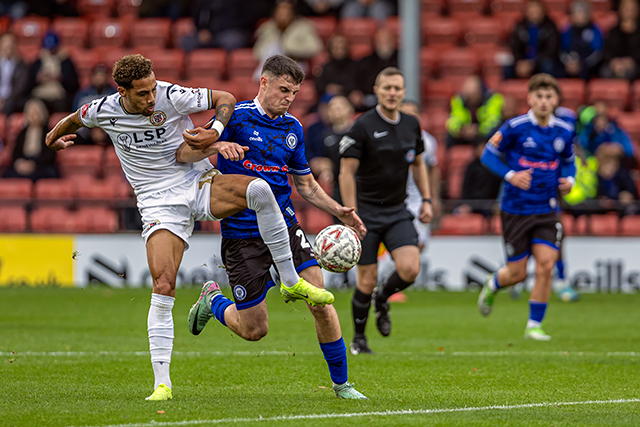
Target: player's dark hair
x=543 y=81
x=130 y=68
x=280 y=65
x=389 y=71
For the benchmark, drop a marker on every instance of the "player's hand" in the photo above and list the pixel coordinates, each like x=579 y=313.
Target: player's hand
x=351 y=219
x=63 y=142
x=231 y=150
x=522 y=179
x=565 y=186
x=426 y=213
x=200 y=138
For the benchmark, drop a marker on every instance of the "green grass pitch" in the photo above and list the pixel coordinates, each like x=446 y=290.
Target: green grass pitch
x=81 y=360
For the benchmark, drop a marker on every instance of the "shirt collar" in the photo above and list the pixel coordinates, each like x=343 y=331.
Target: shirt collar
x=261 y=110
x=552 y=119
x=387 y=119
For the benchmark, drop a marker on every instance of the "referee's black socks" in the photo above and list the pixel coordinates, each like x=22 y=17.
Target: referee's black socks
x=393 y=284
x=360 y=304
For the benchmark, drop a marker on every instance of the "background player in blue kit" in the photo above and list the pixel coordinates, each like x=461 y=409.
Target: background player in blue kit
x=534 y=154
x=274 y=141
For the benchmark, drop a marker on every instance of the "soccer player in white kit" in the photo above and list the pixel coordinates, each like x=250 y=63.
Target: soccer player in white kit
x=146 y=121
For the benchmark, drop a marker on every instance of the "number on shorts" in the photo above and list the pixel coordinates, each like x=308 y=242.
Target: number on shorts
x=303 y=239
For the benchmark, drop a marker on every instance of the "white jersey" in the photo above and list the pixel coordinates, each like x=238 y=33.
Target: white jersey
x=430 y=158
x=146 y=145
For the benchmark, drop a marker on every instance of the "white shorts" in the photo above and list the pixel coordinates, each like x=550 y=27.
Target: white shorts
x=414 y=203
x=177 y=208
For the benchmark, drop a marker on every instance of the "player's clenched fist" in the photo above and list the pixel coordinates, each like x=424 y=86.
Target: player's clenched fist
x=564 y=186
x=521 y=179
x=200 y=138
x=231 y=150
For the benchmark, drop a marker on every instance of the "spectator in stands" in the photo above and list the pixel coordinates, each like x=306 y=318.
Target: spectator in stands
x=100 y=87
x=475 y=112
x=223 y=24
x=385 y=54
x=314 y=136
x=379 y=10
x=16 y=9
x=51 y=8
x=288 y=34
x=338 y=76
x=13 y=76
x=173 y=9
x=479 y=184
x=31 y=157
x=621 y=56
x=53 y=77
x=321 y=7
x=615 y=183
x=602 y=130
x=535 y=44
x=581 y=43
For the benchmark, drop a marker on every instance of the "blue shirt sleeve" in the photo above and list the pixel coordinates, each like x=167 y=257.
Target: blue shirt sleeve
x=499 y=143
x=298 y=164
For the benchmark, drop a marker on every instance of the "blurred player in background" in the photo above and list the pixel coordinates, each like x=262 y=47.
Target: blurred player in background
x=377 y=154
x=146 y=120
x=276 y=149
x=534 y=154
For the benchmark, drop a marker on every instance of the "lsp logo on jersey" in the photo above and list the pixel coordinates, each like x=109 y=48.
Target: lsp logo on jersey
x=291 y=140
x=158 y=118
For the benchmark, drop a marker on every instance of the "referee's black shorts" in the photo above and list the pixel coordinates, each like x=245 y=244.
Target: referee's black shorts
x=391 y=225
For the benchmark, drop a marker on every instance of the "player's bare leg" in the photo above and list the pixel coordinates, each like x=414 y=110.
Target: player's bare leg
x=545 y=257
x=508 y=275
x=164 y=254
x=367 y=279
x=233 y=193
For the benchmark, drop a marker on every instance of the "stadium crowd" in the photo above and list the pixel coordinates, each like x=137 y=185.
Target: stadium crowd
x=55 y=56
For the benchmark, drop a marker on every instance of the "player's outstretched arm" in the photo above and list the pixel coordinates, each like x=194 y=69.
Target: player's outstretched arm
x=202 y=137
x=312 y=192
x=228 y=150
x=63 y=133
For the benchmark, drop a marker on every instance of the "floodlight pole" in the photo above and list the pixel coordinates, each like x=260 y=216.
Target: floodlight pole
x=409 y=55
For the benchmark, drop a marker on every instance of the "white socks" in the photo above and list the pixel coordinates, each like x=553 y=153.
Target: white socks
x=160 y=327
x=273 y=229
x=533 y=324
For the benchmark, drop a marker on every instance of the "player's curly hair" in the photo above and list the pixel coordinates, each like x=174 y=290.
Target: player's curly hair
x=130 y=68
x=280 y=65
x=543 y=81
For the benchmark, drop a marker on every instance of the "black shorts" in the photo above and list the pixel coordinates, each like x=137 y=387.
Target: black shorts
x=248 y=262
x=522 y=231
x=391 y=225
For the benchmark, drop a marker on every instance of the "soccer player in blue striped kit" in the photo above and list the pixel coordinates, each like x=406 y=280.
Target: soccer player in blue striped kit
x=534 y=154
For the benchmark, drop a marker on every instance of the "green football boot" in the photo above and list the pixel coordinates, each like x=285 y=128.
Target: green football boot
x=486 y=297
x=304 y=290
x=536 y=334
x=346 y=391
x=201 y=313
x=161 y=393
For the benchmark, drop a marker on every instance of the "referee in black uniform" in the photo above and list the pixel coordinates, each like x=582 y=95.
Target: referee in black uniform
x=376 y=155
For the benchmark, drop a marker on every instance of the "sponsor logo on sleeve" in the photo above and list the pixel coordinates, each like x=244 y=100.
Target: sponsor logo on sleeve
x=496 y=139
x=83 y=110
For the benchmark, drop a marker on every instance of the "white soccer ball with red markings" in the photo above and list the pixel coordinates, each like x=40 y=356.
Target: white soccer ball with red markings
x=337 y=248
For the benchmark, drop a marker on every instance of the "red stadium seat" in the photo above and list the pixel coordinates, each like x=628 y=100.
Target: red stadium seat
x=508 y=19
x=128 y=7
x=306 y=97
x=433 y=7
x=601 y=5
x=567 y=221
x=463 y=224
x=14 y=219
x=573 y=91
x=325 y=26
x=316 y=220
x=97 y=8
x=444 y=31
x=81 y=161
x=167 y=63
x=466 y=8
x=496 y=224
x=492 y=63
x=498 y=6
x=636 y=96
x=97 y=220
x=605 y=20
x=358 y=30
x=458 y=63
x=360 y=50
x=242 y=63
x=613 y=92
x=243 y=88
x=111 y=164
x=437 y=94
x=604 y=225
x=29 y=30
x=483 y=32
x=206 y=63
x=580 y=225
x=53 y=219
x=436 y=125
x=15 y=191
x=182 y=27
x=151 y=32
x=630 y=225
x=455 y=179
x=54 y=192
x=460 y=156
x=516 y=89
x=85 y=61
x=109 y=33
x=429 y=61
x=630 y=122
x=72 y=31
x=561 y=6
x=15 y=125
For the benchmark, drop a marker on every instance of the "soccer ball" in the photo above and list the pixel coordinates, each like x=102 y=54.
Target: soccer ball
x=337 y=248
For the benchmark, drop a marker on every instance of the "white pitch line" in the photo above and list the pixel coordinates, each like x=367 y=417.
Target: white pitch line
x=311 y=353
x=371 y=414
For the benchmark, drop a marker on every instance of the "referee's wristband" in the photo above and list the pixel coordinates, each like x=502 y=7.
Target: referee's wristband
x=427 y=199
x=218 y=126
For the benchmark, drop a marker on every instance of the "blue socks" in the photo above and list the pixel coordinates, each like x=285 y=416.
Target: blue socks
x=560 y=268
x=219 y=304
x=536 y=313
x=335 y=353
